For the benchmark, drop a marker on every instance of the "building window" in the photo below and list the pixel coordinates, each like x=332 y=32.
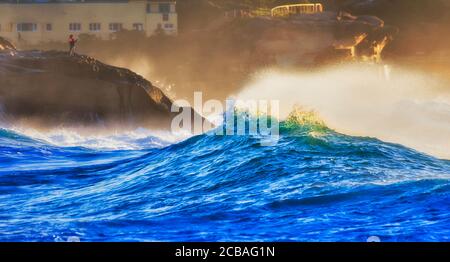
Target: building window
x=115 y=27
x=95 y=27
x=48 y=27
x=74 y=27
x=26 y=27
x=165 y=17
x=149 y=8
x=164 y=8
x=138 y=27
x=168 y=26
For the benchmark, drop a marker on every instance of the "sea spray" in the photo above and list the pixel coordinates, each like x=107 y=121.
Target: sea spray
x=389 y=103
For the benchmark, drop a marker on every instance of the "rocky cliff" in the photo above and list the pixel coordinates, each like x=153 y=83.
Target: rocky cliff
x=50 y=88
x=307 y=39
x=423 y=25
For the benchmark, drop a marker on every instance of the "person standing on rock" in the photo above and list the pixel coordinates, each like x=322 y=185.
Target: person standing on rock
x=72 y=42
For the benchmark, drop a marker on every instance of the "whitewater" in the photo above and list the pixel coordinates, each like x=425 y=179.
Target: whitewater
x=347 y=174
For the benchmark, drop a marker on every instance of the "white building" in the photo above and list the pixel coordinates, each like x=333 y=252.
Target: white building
x=44 y=21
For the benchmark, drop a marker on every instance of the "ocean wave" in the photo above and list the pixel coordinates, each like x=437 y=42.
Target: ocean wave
x=405 y=107
x=138 y=139
x=313 y=185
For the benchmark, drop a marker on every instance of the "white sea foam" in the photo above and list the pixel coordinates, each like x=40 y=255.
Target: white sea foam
x=120 y=140
x=392 y=104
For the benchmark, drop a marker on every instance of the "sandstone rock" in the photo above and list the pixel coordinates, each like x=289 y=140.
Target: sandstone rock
x=50 y=88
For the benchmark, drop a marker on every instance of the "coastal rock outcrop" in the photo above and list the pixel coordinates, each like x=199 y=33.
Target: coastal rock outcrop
x=51 y=88
x=307 y=39
x=423 y=25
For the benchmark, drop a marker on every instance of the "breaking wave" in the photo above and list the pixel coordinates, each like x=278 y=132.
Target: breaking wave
x=387 y=102
x=315 y=184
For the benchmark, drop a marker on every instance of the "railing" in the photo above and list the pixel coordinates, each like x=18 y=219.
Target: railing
x=283 y=10
x=261 y=12
x=241 y=13
x=294 y=9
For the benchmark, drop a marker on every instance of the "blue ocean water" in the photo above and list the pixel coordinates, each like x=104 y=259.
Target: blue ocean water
x=313 y=185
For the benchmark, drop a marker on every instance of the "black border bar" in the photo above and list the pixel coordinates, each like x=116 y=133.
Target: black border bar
x=144 y=251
